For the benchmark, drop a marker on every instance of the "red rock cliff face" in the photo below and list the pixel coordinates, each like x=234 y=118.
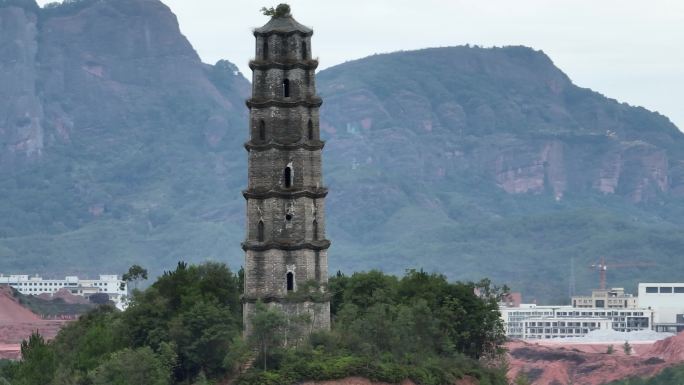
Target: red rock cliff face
x=463 y=108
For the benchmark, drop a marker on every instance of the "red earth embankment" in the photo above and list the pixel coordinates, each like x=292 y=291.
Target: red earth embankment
x=589 y=364
x=17 y=323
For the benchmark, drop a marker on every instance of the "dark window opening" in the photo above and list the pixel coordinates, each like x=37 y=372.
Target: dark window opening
x=304 y=53
x=286 y=88
x=666 y=290
x=260 y=231
x=315 y=229
x=679 y=290
x=288 y=217
x=265 y=48
x=310 y=126
x=262 y=130
x=651 y=289
x=288 y=177
x=290 y=281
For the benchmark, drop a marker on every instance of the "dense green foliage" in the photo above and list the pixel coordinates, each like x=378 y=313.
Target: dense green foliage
x=186 y=328
x=669 y=376
x=52 y=308
x=388 y=329
x=176 y=330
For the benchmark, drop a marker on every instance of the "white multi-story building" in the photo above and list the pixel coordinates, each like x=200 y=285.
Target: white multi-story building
x=529 y=321
x=111 y=285
x=666 y=300
x=562 y=327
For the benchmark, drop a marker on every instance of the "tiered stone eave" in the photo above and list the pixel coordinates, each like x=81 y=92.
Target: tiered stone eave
x=317 y=245
x=311 y=102
x=314 y=193
x=311 y=145
x=263 y=65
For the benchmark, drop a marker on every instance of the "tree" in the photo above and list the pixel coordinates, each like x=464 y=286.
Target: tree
x=281 y=10
x=135 y=274
x=610 y=349
x=38 y=364
x=268 y=330
x=627 y=348
x=132 y=367
x=99 y=298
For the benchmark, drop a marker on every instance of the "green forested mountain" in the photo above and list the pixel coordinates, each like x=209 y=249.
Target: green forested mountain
x=119 y=146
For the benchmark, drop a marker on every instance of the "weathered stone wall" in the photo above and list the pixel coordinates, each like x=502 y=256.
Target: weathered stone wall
x=274 y=214
x=266 y=272
x=285 y=245
x=318 y=314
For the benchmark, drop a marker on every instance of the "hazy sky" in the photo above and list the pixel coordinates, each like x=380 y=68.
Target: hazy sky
x=630 y=50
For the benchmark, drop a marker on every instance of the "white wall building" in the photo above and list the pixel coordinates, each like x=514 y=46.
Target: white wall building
x=562 y=327
x=530 y=321
x=111 y=285
x=666 y=300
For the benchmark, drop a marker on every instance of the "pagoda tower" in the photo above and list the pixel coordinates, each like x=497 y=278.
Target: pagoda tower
x=286 y=259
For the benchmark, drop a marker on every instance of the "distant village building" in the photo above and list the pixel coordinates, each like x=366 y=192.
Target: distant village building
x=667 y=301
x=115 y=288
x=529 y=321
x=614 y=298
x=286 y=260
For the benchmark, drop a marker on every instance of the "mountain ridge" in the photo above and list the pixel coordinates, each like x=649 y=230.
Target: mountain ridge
x=465 y=160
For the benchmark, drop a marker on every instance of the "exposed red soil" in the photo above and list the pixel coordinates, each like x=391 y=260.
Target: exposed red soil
x=11 y=311
x=589 y=364
x=17 y=323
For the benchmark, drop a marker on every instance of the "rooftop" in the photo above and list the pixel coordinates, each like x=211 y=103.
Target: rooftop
x=282 y=22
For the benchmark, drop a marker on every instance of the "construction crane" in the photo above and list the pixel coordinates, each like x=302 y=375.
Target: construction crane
x=602 y=267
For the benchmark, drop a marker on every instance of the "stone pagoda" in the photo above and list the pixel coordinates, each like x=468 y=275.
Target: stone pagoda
x=286 y=252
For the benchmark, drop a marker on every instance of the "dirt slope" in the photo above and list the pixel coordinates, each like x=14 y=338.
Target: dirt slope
x=17 y=323
x=12 y=311
x=588 y=364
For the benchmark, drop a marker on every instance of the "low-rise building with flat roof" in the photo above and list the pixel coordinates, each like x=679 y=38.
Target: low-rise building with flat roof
x=115 y=288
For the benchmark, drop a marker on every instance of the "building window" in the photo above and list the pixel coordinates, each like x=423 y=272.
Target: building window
x=290 y=281
x=651 y=289
x=666 y=290
x=264 y=48
x=310 y=129
x=315 y=229
x=286 y=88
x=260 y=231
x=287 y=175
x=262 y=130
x=679 y=289
x=304 y=53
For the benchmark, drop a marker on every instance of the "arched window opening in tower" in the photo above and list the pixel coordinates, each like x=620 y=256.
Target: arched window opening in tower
x=310 y=128
x=315 y=230
x=262 y=130
x=304 y=53
x=286 y=88
x=290 y=281
x=288 y=177
x=265 y=48
x=288 y=217
x=260 y=231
